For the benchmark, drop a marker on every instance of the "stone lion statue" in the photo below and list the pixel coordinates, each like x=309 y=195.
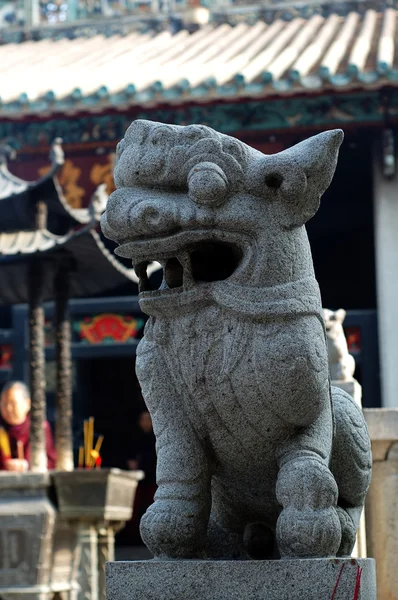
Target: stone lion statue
x=341 y=363
x=257 y=455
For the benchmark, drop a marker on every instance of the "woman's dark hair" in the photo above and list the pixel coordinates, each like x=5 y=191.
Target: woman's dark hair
x=20 y=384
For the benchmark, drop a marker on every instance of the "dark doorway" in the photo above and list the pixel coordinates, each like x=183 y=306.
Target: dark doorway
x=341 y=233
x=108 y=390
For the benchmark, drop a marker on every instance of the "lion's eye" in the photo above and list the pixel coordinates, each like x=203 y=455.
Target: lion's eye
x=274 y=180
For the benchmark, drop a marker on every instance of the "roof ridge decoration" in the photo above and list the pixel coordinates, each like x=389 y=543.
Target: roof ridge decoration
x=18 y=197
x=275 y=114
x=68 y=234
x=10 y=184
x=7 y=153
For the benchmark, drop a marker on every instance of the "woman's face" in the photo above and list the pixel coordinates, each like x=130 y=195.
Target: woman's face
x=14 y=406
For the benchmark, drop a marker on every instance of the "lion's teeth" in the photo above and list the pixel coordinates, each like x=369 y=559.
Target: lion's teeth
x=163 y=285
x=185 y=260
x=143 y=281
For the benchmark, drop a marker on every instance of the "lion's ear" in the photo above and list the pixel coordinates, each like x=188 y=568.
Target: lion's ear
x=340 y=315
x=305 y=171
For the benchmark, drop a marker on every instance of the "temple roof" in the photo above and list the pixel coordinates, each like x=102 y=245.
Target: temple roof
x=69 y=233
x=95 y=271
x=18 y=198
x=216 y=62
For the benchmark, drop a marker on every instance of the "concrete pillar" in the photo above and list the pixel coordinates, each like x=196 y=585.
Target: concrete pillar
x=72 y=12
x=88 y=540
x=382 y=500
x=106 y=553
x=386 y=248
x=32 y=13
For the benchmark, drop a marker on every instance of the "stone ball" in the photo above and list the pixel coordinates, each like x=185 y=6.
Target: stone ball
x=208 y=184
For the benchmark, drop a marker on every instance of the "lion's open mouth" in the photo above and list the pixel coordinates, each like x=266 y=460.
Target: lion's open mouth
x=202 y=262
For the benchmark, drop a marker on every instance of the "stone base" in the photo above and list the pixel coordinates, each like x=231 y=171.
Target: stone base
x=309 y=579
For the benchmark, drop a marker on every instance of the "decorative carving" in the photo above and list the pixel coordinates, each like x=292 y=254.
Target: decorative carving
x=109 y=328
x=68 y=178
x=253 y=445
x=104 y=174
x=5 y=356
x=341 y=363
x=263 y=115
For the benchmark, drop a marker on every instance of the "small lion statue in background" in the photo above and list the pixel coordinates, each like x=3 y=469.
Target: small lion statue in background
x=341 y=362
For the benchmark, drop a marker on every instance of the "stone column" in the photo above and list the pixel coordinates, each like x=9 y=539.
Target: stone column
x=32 y=13
x=88 y=540
x=106 y=553
x=72 y=10
x=37 y=374
x=382 y=500
x=386 y=248
x=63 y=426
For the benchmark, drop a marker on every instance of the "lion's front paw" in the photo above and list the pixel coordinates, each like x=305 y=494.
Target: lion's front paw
x=308 y=533
x=169 y=530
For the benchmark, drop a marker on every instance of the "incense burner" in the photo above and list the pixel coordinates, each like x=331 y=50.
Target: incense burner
x=257 y=455
x=96 y=495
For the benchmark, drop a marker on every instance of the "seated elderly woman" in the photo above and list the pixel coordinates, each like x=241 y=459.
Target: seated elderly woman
x=15 y=420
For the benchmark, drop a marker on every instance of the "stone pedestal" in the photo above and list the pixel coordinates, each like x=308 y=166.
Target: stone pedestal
x=95 y=503
x=311 y=579
x=65 y=560
x=382 y=500
x=27 y=520
x=106 y=553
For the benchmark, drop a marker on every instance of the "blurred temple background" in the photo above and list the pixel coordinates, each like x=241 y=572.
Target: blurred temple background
x=269 y=73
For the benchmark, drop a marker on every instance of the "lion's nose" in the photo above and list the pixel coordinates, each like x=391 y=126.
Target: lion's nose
x=151 y=217
x=208 y=184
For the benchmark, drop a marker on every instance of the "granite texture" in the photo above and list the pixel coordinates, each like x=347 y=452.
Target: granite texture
x=341 y=362
x=257 y=455
x=306 y=579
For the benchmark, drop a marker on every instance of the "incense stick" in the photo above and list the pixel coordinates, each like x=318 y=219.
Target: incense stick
x=80 y=463
x=89 y=456
x=95 y=454
x=99 y=443
x=5 y=443
x=20 y=450
x=90 y=440
x=86 y=451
